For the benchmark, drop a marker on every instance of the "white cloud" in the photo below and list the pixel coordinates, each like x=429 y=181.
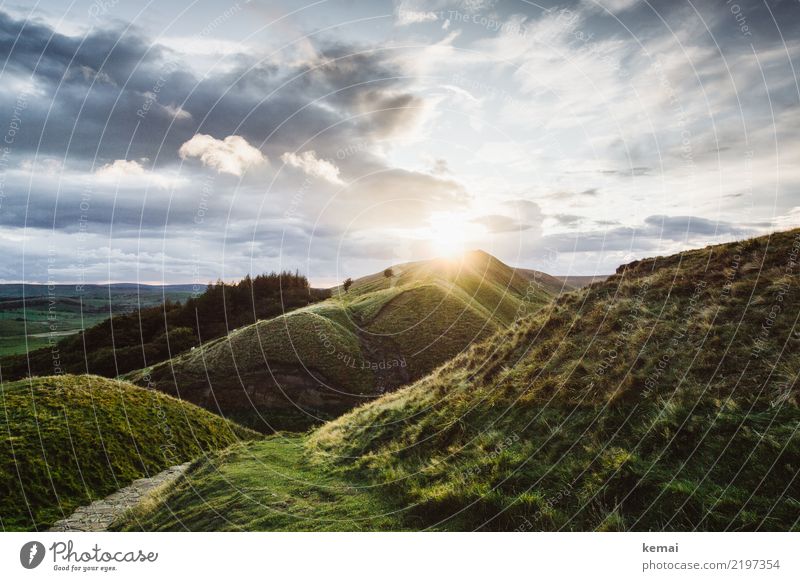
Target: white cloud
x=46 y=165
x=310 y=164
x=177 y=112
x=130 y=173
x=613 y=6
x=119 y=169
x=231 y=155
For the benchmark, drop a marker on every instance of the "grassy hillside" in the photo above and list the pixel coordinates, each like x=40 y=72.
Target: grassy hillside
x=67 y=440
x=664 y=398
x=385 y=331
x=267 y=485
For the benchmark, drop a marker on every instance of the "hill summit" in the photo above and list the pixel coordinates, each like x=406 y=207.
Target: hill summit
x=665 y=398
x=384 y=331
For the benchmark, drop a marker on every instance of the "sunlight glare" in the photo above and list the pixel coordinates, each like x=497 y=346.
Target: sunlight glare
x=450 y=234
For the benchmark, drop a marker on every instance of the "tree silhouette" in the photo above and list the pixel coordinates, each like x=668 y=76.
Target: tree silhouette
x=388 y=273
x=347 y=284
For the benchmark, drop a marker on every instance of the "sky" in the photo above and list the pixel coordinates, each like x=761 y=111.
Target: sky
x=183 y=142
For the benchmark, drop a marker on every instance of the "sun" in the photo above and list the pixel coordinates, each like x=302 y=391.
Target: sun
x=450 y=234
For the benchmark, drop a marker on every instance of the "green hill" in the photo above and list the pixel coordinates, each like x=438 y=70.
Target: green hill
x=664 y=398
x=68 y=440
x=384 y=332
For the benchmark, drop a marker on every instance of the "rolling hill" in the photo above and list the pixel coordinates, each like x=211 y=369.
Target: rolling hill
x=383 y=332
x=67 y=440
x=664 y=398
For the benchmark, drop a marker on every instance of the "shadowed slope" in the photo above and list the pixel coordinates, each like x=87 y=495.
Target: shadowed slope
x=319 y=361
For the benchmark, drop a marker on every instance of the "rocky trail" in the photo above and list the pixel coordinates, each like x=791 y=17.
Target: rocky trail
x=99 y=515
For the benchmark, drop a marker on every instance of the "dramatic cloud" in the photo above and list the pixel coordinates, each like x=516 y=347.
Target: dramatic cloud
x=231 y=155
x=309 y=163
x=565 y=140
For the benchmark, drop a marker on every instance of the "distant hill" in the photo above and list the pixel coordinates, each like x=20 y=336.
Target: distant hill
x=37 y=315
x=143 y=331
x=386 y=330
x=94 y=291
x=662 y=399
x=68 y=440
x=581 y=281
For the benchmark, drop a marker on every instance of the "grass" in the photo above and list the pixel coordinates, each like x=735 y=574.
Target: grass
x=68 y=440
x=265 y=485
x=656 y=400
x=291 y=371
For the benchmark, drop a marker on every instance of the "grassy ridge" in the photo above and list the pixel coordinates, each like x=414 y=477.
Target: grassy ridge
x=664 y=398
x=67 y=440
x=289 y=371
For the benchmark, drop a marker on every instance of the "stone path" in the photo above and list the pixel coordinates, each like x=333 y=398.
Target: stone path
x=99 y=515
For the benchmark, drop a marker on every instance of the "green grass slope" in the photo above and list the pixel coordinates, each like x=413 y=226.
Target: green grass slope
x=664 y=398
x=316 y=362
x=266 y=485
x=68 y=440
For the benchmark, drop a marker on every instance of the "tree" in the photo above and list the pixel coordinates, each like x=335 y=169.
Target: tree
x=388 y=273
x=347 y=284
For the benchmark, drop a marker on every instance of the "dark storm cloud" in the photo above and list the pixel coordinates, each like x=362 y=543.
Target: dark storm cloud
x=648 y=236
x=113 y=94
x=678 y=227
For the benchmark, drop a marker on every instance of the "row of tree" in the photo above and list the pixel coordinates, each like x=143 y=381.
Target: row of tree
x=135 y=340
